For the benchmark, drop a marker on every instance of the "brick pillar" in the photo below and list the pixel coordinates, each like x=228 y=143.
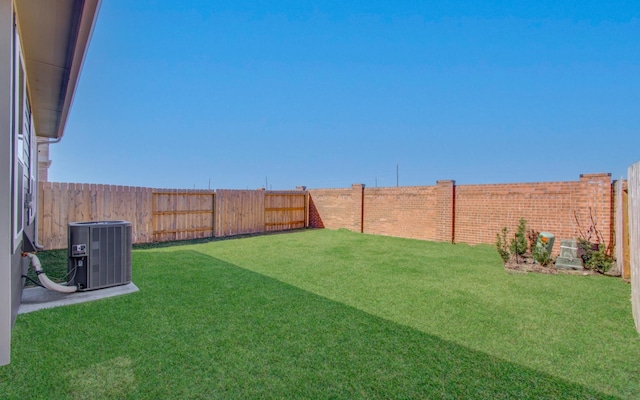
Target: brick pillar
x=598 y=197
x=357 y=197
x=445 y=203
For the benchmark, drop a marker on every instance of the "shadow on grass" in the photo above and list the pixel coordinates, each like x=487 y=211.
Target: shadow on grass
x=204 y=328
x=55 y=261
x=158 y=245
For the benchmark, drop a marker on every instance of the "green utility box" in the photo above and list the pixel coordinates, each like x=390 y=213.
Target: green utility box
x=545 y=240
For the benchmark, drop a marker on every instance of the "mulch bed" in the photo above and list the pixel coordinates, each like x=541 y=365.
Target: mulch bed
x=527 y=264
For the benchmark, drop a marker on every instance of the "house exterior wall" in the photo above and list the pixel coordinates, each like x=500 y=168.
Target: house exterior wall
x=18 y=175
x=54 y=36
x=6 y=171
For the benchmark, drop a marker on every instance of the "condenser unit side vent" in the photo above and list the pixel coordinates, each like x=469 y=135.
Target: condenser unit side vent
x=100 y=254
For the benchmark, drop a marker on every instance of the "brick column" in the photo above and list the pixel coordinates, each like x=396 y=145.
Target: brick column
x=598 y=196
x=357 y=197
x=445 y=203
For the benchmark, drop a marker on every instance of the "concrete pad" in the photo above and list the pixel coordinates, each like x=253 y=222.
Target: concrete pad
x=38 y=298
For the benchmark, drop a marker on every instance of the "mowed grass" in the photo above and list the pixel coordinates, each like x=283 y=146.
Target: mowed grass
x=332 y=314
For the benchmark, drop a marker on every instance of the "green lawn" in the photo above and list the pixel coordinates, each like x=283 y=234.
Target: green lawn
x=332 y=314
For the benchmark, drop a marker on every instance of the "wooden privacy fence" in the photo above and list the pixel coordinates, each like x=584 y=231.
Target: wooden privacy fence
x=61 y=203
x=634 y=236
x=159 y=215
x=181 y=215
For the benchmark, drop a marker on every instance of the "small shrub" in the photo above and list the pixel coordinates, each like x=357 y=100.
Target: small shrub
x=502 y=245
x=599 y=260
x=519 y=242
x=541 y=255
x=596 y=255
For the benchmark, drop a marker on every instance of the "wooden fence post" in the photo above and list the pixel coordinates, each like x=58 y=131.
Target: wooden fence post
x=622 y=228
x=634 y=236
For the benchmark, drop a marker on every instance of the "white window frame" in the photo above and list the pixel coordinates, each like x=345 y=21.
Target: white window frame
x=33 y=181
x=19 y=102
x=32 y=186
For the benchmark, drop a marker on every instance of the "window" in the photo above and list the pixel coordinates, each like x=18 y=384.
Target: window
x=28 y=160
x=21 y=130
x=23 y=146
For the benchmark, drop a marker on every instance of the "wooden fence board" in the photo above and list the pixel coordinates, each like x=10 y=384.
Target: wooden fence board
x=40 y=209
x=57 y=214
x=44 y=213
x=634 y=236
x=93 y=202
x=626 y=253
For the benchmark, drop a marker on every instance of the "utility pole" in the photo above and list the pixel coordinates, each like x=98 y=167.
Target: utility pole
x=397 y=175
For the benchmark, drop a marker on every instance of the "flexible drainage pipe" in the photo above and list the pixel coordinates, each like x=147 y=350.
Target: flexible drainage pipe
x=44 y=279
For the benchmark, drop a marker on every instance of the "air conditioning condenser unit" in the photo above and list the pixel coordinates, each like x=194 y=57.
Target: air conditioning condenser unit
x=99 y=254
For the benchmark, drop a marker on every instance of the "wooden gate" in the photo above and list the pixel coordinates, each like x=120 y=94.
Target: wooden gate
x=285 y=210
x=182 y=214
x=239 y=212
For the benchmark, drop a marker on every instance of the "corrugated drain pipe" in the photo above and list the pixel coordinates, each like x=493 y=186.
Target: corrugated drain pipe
x=44 y=279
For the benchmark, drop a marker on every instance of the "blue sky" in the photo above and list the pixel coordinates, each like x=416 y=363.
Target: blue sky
x=330 y=93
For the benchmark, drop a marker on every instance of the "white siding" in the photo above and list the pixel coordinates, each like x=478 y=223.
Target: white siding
x=6 y=147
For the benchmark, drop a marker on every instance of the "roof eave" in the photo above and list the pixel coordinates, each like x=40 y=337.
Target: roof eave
x=55 y=36
x=87 y=23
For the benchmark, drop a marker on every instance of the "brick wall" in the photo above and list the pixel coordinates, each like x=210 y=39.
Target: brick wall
x=482 y=210
x=467 y=213
x=445 y=203
x=331 y=209
x=404 y=212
